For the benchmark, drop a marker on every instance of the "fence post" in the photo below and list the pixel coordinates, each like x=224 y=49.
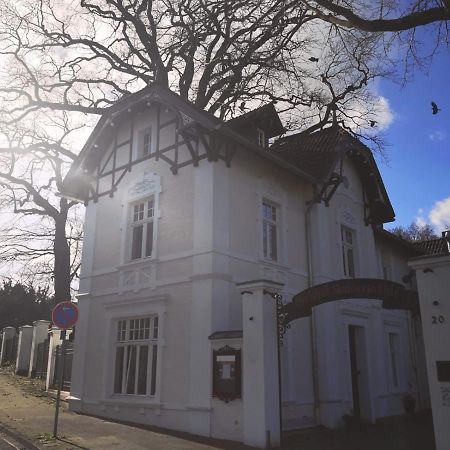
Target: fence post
x=40 y=332
x=24 y=349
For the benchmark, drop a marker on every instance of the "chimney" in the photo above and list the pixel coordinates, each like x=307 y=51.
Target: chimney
x=446 y=236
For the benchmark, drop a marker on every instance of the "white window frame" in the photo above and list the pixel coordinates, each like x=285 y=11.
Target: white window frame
x=141 y=213
x=133 y=335
x=267 y=223
x=350 y=270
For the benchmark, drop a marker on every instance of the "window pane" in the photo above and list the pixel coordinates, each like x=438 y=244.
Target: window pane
x=155 y=328
x=351 y=263
x=149 y=240
x=154 y=362
x=142 y=376
x=273 y=242
x=118 y=371
x=138 y=212
x=136 y=244
x=147 y=141
x=393 y=352
x=131 y=369
x=150 y=208
x=265 y=240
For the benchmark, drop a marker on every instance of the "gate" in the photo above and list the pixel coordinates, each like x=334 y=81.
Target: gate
x=42 y=360
x=67 y=366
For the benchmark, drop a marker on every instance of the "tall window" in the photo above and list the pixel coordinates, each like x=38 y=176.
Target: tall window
x=142 y=229
x=270 y=231
x=261 y=137
x=146 y=142
x=386 y=266
x=348 y=251
x=393 y=354
x=136 y=353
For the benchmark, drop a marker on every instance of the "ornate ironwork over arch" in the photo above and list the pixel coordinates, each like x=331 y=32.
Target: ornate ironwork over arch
x=393 y=296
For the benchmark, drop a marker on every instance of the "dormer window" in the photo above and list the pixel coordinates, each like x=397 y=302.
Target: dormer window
x=261 y=136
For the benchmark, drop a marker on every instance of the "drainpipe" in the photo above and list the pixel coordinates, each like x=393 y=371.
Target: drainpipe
x=309 y=262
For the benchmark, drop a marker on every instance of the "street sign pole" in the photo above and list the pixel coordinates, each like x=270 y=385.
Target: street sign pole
x=61 y=381
x=64 y=316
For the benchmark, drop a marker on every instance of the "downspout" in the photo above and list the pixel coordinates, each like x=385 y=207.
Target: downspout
x=309 y=263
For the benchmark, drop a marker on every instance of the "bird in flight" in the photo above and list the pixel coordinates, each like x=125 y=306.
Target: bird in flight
x=372 y=123
x=434 y=108
x=313 y=59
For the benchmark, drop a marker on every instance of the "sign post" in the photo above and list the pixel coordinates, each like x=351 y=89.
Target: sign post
x=64 y=316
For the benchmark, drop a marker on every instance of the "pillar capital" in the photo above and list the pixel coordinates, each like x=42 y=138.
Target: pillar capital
x=260 y=285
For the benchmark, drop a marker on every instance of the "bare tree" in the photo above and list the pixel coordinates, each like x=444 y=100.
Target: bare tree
x=218 y=54
x=41 y=238
x=398 y=21
x=415 y=232
x=381 y=15
x=60 y=57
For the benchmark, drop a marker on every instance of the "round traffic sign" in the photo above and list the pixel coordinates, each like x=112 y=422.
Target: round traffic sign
x=65 y=315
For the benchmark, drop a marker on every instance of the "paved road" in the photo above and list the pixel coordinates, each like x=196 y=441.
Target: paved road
x=9 y=442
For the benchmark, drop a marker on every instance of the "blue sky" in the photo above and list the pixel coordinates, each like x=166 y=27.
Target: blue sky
x=417 y=175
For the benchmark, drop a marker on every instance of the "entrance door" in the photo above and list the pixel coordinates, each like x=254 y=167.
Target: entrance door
x=359 y=372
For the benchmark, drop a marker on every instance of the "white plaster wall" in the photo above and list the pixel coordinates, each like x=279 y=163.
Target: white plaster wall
x=209 y=237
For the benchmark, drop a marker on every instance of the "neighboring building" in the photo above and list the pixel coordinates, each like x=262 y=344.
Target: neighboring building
x=181 y=210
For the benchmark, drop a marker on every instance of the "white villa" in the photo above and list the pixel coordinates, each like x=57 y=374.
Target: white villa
x=193 y=228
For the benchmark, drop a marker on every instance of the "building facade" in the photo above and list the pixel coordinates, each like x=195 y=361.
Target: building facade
x=183 y=213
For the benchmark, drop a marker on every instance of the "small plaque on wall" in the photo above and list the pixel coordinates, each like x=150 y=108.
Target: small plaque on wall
x=443 y=371
x=227 y=373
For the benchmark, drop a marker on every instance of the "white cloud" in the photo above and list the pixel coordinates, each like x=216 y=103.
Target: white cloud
x=420 y=220
x=437 y=136
x=440 y=214
x=383 y=113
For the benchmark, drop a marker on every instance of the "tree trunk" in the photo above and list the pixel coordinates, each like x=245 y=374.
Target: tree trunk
x=61 y=271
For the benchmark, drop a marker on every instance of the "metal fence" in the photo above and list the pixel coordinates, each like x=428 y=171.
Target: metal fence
x=42 y=360
x=67 y=366
x=10 y=350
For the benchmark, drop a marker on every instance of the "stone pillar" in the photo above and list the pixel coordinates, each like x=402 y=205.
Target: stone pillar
x=8 y=333
x=261 y=407
x=79 y=363
x=433 y=282
x=40 y=334
x=24 y=349
x=55 y=339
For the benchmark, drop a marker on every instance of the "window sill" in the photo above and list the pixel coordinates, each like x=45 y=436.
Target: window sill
x=137 y=262
x=133 y=400
x=275 y=264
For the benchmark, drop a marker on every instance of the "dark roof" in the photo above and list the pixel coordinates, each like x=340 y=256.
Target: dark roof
x=315 y=152
x=264 y=117
x=318 y=153
x=311 y=156
x=235 y=334
x=436 y=246
x=397 y=240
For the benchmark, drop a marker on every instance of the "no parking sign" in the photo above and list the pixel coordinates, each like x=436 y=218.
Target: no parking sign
x=65 y=315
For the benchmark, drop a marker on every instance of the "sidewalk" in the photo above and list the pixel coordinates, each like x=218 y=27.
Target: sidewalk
x=26 y=410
